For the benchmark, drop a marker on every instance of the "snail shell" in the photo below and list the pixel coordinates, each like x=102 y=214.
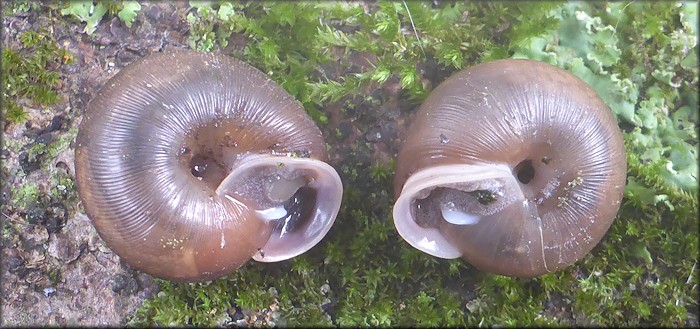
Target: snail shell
x=516 y=166
x=189 y=164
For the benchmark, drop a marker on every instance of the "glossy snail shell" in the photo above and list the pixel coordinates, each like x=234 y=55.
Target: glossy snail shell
x=516 y=166
x=189 y=164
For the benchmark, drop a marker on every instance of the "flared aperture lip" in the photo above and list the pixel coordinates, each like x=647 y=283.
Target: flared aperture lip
x=319 y=176
x=155 y=143
x=429 y=239
x=561 y=159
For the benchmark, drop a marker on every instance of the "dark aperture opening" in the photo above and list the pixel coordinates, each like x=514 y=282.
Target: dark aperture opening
x=205 y=168
x=207 y=152
x=199 y=165
x=300 y=208
x=525 y=171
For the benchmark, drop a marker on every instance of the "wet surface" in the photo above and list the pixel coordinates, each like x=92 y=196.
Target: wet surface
x=55 y=268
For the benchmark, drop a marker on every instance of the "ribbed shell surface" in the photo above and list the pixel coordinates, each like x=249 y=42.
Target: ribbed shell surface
x=509 y=111
x=143 y=198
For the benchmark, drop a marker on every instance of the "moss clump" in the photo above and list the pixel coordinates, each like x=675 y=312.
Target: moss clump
x=32 y=73
x=379 y=171
x=25 y=195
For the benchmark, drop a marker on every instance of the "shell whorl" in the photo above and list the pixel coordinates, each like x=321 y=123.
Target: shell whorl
x=148 y=131
x=534 y=145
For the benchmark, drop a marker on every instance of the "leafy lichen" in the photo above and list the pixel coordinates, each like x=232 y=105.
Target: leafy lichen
x=92 y=12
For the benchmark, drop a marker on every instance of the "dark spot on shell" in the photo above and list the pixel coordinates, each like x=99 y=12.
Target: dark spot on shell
x=444 y=139
x=484 y=197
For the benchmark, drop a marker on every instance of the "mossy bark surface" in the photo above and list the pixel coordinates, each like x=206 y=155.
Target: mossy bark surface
x=361 y=70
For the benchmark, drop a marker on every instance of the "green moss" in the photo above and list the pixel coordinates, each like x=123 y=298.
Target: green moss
x=14 y=113
x=55 y=276
x=63 y=186
x=203 y=304
x=643 y=273
x=25 y=195
x=11 y=7
x=32 y=73
x=47 y=153
x=379 y=172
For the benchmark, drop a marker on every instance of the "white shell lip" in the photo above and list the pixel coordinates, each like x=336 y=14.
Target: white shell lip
x=431 y=240
x=326 y=182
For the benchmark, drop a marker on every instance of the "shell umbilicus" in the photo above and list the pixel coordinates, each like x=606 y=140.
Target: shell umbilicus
x=516 y=166
x=189 y=164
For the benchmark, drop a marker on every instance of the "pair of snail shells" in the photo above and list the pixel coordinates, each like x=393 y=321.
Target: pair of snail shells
x=189 y=164
x=516 y=166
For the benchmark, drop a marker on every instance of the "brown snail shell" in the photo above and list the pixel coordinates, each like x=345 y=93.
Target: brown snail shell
x=516 y=166
x=188 y=164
